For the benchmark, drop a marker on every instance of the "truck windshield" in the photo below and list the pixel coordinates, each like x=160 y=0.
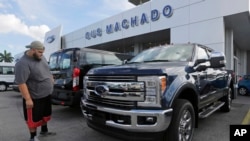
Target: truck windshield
x=60 y=60
x=166 y=53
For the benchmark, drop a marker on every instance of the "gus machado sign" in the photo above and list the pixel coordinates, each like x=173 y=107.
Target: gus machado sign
x=134 y=21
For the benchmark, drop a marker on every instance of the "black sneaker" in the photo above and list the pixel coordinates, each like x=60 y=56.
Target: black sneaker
x=43 y=134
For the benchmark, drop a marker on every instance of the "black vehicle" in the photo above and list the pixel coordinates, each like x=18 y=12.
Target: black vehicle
x=68 y=67
x=159 y=94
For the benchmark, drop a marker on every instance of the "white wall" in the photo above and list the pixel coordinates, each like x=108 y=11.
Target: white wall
x=205 y=22
x=242 y=63
x=210 y=33
x=192 y=21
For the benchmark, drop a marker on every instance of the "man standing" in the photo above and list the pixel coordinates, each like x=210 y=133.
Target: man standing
x=35 y=83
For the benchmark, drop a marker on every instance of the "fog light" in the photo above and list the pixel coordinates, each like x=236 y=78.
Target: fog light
x=143 y=120
x=150 y=119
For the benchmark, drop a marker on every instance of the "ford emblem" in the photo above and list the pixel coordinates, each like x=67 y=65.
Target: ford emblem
x=101 y=90
x=50 y=39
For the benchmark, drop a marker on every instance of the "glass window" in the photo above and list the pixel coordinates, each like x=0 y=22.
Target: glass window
x=93 y=58
x=53 y=61
x=202 y=54
x=111 y=59
x=7 y=70
x=247 y=77
x=65 y=61
x=166 y=53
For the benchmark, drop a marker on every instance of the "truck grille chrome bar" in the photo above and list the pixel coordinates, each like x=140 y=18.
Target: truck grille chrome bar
x=122 y=91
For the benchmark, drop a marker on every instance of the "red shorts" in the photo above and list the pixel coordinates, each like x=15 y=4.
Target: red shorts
x=39 y=114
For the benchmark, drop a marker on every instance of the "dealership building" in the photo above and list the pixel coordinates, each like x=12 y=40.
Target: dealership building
x=223 y=25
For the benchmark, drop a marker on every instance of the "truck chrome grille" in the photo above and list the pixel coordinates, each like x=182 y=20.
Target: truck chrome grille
x=96 y=99
x=112 y=78
x=122 y=91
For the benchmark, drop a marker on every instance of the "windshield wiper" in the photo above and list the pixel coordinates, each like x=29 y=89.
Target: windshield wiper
x=133 y=62
x=157 y=61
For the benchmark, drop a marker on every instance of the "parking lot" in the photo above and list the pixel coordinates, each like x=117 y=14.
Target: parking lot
x=71 y=126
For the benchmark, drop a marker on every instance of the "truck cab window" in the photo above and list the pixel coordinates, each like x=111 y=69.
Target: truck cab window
x=65 y=61
x=53 y=61
x=202 y=54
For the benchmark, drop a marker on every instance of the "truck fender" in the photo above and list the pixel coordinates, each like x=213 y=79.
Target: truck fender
x=229 y=80
x=176 y=88
x=182 y=90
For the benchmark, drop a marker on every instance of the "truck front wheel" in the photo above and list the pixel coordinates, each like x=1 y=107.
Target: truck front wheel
x=3 y=87
x=183 y=121
x=228 y=101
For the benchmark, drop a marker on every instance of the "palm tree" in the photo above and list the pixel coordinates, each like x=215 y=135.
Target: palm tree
x=6 y=57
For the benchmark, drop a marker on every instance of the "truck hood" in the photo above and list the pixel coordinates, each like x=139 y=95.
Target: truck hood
x=149 y=68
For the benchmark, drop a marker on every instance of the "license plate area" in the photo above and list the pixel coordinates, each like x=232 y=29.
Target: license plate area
x=98 y=117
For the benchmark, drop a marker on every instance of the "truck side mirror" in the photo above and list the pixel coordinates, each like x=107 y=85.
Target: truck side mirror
x=199 y=61
x=217 y=60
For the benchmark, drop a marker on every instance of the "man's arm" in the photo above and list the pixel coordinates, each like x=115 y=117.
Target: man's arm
x=26 y=95
x=52 y=79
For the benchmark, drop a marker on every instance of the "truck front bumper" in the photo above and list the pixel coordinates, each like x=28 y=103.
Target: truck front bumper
x=134 y=120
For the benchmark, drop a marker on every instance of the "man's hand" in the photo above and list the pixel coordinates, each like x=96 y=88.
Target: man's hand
x=26 y=95
x=29 y=103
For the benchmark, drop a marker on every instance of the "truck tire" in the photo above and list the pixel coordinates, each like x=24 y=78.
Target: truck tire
x=182 y=123
x=3 y=87
x=228 y=101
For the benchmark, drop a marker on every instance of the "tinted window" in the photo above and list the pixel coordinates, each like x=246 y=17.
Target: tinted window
x=53 y=61
x=65 y=61
x=247 y=77
x=61 y=60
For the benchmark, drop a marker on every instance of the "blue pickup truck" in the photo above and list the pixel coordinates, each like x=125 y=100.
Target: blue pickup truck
x=159 y=94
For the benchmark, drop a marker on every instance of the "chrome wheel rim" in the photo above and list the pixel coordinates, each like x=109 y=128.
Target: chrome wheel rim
x=242 y=91
x=185 y=127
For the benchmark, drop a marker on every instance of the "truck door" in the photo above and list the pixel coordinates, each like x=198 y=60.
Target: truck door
x=218 y=83
x=204 y=78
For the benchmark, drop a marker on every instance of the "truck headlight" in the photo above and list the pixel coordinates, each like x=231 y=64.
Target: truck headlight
x=155 y=87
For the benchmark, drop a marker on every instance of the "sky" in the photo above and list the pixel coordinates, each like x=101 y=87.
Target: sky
x=23 y=21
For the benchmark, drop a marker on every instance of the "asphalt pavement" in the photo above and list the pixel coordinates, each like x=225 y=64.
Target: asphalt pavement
x=70 y=125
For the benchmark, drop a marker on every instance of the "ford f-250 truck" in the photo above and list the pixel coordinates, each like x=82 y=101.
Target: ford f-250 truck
x=159 y=94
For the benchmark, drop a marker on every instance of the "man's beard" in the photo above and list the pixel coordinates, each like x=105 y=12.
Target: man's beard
x=36 y=57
